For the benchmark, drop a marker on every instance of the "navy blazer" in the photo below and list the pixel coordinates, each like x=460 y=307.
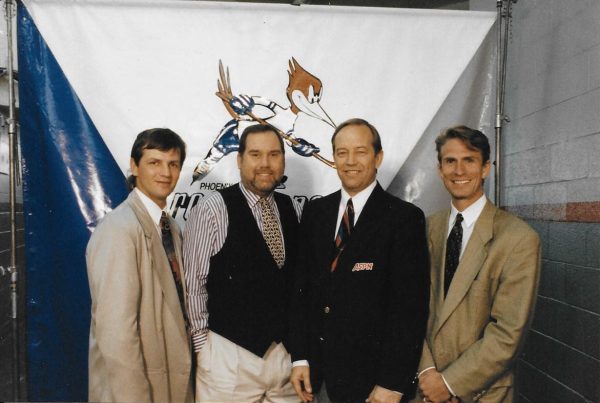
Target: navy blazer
x=362 y=325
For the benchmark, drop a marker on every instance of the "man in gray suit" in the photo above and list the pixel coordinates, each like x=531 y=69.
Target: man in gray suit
x=139 y=345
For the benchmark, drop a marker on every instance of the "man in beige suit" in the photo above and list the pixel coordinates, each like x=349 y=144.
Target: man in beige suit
x=484 y=276
x=139 y=345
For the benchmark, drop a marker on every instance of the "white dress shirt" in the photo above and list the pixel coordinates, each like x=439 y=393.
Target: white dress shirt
x=470 y=216
x=358 y=202
x=153 y=209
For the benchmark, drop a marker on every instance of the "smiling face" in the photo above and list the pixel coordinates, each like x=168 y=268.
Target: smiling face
x=355 y=158
x=462 y=170
x=262 y=163
x=157 y=173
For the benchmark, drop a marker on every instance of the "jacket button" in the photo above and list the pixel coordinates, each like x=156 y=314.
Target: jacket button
x=326 y=309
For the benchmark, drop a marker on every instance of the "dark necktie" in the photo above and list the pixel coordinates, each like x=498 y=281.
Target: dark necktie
x=167 y=240
x=453 y=247
x=344 y=231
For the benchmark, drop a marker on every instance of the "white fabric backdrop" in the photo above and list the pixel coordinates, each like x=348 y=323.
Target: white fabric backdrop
x=142 y=64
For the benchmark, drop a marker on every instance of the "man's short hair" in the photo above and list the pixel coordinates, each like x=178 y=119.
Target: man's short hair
x=259 y=128
x=155 y=139
x=359 y=122
x=472 y=138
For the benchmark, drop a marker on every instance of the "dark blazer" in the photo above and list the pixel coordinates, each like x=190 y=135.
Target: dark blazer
x=361 y=328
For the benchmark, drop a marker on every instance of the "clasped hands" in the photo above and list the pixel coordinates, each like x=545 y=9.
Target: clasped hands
x=433 y=389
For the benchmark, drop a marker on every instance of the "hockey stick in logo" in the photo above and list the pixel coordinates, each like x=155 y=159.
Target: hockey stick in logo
x=240 y=108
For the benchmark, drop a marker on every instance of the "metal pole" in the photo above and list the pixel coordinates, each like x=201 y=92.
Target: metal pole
x=507 y=18
x=12 y=155
x=503 y=20
x=498 y=125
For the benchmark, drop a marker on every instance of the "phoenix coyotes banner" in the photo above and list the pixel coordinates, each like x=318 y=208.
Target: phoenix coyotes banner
x=93 y=74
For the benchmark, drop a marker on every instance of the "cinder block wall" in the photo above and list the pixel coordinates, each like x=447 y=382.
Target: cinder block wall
x=552 y=179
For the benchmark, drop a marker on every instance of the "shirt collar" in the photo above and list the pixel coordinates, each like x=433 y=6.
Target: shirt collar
x=152 y=208
x=358 y=200
x=471 y=213
x=252 y=198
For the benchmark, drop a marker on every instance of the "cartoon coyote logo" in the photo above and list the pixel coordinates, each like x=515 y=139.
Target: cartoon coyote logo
x=304 y=91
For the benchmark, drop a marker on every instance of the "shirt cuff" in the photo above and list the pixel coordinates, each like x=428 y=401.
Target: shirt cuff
x=300 y=363
x=199 y=339
x=448 y=386
x=425 y=370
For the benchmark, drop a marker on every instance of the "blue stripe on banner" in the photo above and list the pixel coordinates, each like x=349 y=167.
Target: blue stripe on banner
x=69 y=180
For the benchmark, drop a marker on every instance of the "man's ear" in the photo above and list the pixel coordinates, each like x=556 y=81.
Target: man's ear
x=133 y=167
x=487 y=167
x=379 y=159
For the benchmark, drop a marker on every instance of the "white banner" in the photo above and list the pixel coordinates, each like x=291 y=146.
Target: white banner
x=142 y=64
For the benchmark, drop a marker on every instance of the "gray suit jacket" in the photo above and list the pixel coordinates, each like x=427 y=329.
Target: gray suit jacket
x=139 y=346
x=474 y=335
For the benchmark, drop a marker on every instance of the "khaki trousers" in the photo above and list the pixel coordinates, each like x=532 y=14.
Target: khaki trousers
x=229 y=373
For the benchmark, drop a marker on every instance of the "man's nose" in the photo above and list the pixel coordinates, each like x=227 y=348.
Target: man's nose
x=165 y=170
x=264 y=161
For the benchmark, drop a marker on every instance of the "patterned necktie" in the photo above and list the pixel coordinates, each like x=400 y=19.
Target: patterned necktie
x=271 y=232
x=453 y=247
x=167 y=241
x=344 y=231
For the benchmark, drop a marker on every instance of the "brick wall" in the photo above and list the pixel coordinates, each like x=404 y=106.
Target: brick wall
x=551 y=177
x=561 y=357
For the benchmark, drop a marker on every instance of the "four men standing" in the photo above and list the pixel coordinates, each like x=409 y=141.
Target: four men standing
x=347 y=292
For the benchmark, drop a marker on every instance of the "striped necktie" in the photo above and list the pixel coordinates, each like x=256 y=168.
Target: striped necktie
x=344 y=231
x=167 y=241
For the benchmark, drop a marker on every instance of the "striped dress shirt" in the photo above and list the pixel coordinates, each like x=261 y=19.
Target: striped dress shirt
x=204 y=236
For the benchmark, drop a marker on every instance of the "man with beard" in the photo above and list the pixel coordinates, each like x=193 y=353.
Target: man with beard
x=237 y=245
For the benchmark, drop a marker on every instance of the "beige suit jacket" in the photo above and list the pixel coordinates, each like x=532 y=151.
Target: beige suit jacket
x=139 y=346
x=474 y=335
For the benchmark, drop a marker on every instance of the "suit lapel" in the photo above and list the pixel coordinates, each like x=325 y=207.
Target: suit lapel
x=327 y=224
x=371 y=211
x=176 y=233
x=470 y=263
x=160 y=261
x=437 y=249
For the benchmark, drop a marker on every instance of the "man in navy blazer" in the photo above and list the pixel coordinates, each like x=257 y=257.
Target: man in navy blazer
x=360 y=302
